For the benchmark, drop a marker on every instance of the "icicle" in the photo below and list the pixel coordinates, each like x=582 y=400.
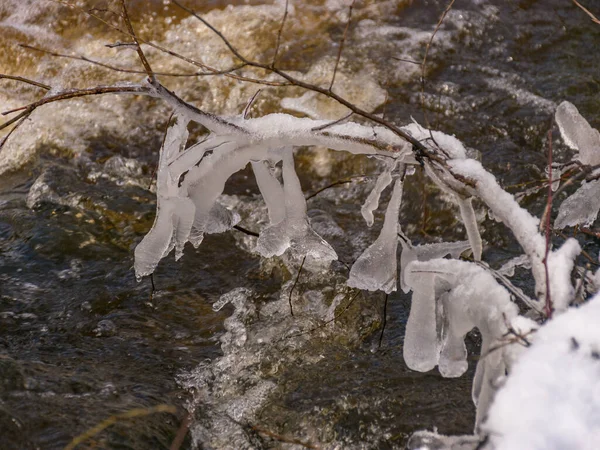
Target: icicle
x=372 y=201
x=376 y=268
x=581 y=208
x=468 y=218
x=271 y=190
x=578 y=134
x=425 y=253
x=293 y=231
x=171 y=226
x=421 y=346
x=450 y=298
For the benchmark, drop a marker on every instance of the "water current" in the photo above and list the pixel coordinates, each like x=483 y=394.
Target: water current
x=81 y=340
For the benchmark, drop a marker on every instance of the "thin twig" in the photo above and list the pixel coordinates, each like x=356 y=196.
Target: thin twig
x=285 y=14
x=191 y=61
x=336 y=183
x=246 y=231
x=181 y=432
x=424 y=62
x=406 y=60
x=419 y=147
x=22 y=119
x=294 y=285
x=283 y=439
x=339 y=55
x=593 y=17
x=385 y=302
x=133 y=413
x=125 y=70
x=324 y=324
x=330 y=124
x=139 y=50
x=250 y=103
x=26 y=80
x=28 y=109
x=548 y=305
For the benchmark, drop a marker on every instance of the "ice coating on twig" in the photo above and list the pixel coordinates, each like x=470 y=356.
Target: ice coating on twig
x=467 y=213
x=293 y=231
x=450 y=298
x=560 y=266
x=174 y=214
x=426 y=252
x=578 y=134
x=507 y=210
x=470 y=221
x=449 y=144
x=271 y=190
x=372 y=201
x=581 y=208
x=376 y=268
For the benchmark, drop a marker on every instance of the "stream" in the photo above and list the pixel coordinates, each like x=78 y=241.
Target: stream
x=81 y=340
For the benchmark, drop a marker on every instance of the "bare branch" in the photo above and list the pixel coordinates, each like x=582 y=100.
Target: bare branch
x=424 y=63
x=26 y=80
x=588 y=12
x=28 y=109
x=139 y=50
x=279 y=33
x=294 y=285
x=177 y=55
x=250 y=103
x=420 y=148
x=21 y=118
x=125 y=70
x=339 y=55
x=548 y=305
x=335 y=122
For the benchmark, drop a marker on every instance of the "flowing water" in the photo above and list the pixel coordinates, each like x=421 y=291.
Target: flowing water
x=81 y=340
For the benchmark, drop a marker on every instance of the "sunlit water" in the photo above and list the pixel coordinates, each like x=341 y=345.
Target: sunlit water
x=80 y=340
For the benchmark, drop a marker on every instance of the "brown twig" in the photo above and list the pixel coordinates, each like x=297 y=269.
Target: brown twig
x=548 y=305
x=28 y=109
x=339 y=55
x=336 y=183
x=424 y=62
x=283 y=439
x=330 y=124
x=285 y=14
x=26 y=80
x=294 y=285
x=419 y=147
x=250 y=103
x=133 y=413
x=125 y=70
x=246 y=231
x=588 y=12
x=139 y=50
x=23 y=118
x=181 y=432
x=188 y=60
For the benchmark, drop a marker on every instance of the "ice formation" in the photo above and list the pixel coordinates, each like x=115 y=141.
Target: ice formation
x=550 y=400
x=450 y=298
x=376 y=268
x=578 y=134
x=583 y=206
